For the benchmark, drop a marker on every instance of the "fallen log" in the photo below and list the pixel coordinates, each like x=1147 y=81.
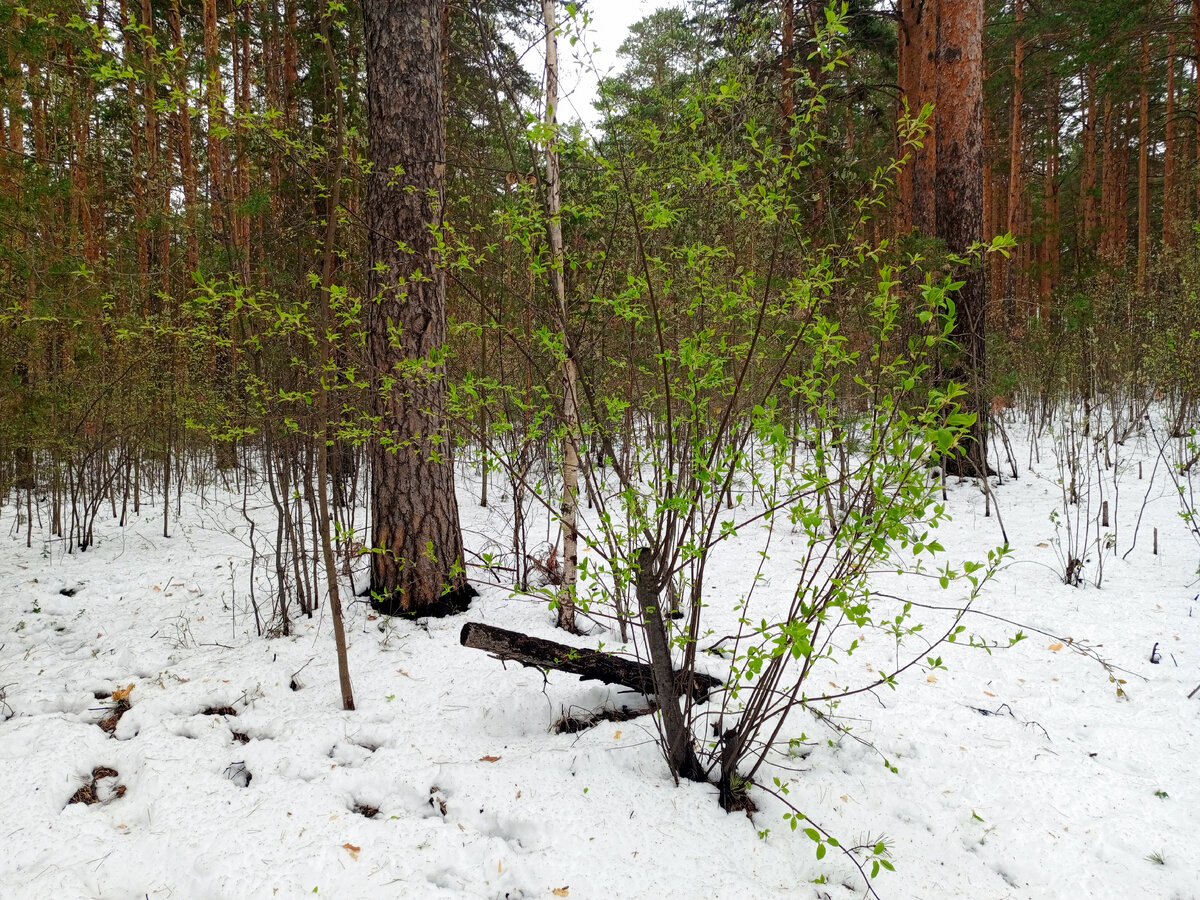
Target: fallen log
x=589 y=665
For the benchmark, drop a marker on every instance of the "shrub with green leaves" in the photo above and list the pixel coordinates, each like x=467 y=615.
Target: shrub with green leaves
x=749 y=387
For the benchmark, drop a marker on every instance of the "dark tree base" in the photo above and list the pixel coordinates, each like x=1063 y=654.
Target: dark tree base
x=449 y=604
x=734 y=799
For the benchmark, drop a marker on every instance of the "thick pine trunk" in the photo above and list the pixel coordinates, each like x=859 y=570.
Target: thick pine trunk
x=417 y=562
x=242 y=69
x=1143 y=244
x=1196 y=57
x=959 y=199
x=291 y=74
x=158 y=188
x=1014 y=160
x=1169 y=146
x=1087 y=186
x=1108 y=182
x=183 y=141
x=787 y=61
x=1048 y=275
x=214 y=98
x=918 y=36
x=137 y=152
x=907 y=72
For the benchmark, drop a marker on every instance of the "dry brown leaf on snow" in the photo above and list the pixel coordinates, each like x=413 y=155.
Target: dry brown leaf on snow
x=354 y=851
x=488 y=758
x=617 y=736
x=122 y=693
x=989 y=693
x=562 y=891
x=1056 y=647
x=931 y=678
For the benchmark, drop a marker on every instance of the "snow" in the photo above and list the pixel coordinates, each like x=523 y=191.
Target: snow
x=1055 y=768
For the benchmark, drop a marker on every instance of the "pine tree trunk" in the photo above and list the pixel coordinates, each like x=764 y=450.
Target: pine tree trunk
x=920 y=30
x=908 y=72
x=15 y=91
x=1196 y=82
x=183 y=141
x=417 y=562
x=214 y=98
x=1108 y=186
x=1014 y=160
x=1048 y=276
x=137 y=152
x=786 y=63
x=1087 y=184
x=1169 y=145
x=158 y=189
x=1143 y=244
x=242 y=107
x=959 y=199
x=291 y=73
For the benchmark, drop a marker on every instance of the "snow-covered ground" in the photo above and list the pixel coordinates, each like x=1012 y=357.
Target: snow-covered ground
x=1053 y=769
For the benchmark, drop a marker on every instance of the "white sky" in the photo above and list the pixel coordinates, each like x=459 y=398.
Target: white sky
x=595 y=56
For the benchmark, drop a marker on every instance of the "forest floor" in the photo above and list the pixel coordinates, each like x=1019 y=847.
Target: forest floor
x=1057 y=768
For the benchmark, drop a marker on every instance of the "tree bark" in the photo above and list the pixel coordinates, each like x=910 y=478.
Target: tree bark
x=334 y=149
x=569 y=510
x=1143 y=244
x=960 y=197
x=676 y=733
x=1196 y=63
x=417 y=563
x=183 y=140
x=1014 y=158
x=1169 y=143
x=138 y=130
x=918 y=35
x=215 y=100
x=1048 y=274
x=1087 y=186
x=1108 y=191
x=590 y=665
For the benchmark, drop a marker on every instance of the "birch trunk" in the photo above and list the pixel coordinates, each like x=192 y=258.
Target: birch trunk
x=569 y=510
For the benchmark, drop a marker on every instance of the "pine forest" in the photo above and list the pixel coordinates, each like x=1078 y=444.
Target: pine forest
x=478 y=487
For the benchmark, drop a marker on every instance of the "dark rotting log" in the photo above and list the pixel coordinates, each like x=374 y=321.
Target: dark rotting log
x=590 y=665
